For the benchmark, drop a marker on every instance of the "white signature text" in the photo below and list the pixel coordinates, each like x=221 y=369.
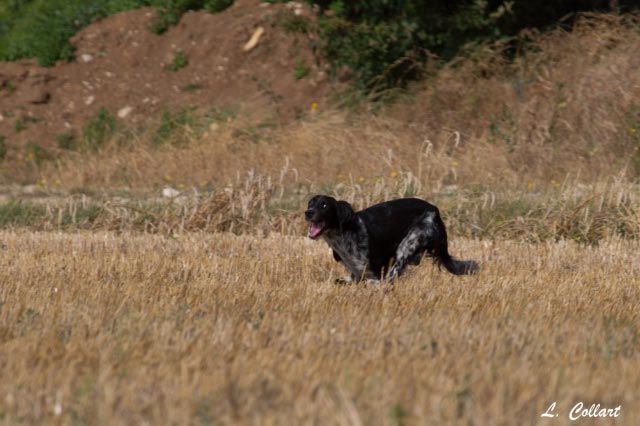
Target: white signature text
x=579 y=411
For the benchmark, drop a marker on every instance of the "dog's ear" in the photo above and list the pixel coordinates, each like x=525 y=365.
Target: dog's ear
x=345 y=213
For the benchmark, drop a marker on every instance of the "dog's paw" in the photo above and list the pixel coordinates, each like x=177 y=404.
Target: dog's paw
x=343 y=280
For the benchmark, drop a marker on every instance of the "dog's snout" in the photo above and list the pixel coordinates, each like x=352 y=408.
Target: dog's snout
x=308 y=214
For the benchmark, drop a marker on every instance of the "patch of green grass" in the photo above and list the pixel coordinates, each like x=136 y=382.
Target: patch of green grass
x=223 y=114
x=3 y=147
x=216 y=6
x=176 y=127
x=83 y=215
x=191 y=87
x=67 y=141
x=17 y=213
x=180 y=61
x=99 y=129
x=37 y=153
x=301 y=70
x=292 y=23
x=19 y=125
x=397 y=415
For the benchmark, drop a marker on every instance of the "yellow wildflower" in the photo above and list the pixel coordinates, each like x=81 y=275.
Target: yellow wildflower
x=456 y=164
x=393 y=174
x=361 y=179
x=314 y=106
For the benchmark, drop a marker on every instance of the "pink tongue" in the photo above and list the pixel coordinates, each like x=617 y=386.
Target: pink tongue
x=314 y=230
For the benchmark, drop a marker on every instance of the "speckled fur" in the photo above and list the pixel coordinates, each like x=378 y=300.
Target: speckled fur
x=380 y=241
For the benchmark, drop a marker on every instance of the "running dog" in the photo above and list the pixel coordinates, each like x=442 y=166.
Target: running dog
x=382 y=240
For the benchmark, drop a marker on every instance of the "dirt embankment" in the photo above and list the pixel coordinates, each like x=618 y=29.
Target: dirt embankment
x=255 y=57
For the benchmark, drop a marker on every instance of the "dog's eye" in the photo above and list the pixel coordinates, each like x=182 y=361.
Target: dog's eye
x=324 y=206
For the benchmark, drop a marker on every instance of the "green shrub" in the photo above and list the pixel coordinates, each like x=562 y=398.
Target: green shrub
x=66 y=141
x=175 y=128
x=16 y=213
x=99 y=129
x=170 y=11
x=215 y=6
x=385 y=42
x=301 y=70
x=3 y=147
x=180 y=61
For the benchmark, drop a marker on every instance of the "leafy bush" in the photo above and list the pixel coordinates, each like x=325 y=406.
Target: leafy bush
x=301 y=70
x=99 y=129
x=384 y=41
x=170 y=11
x=180 y=61
x=67 y=141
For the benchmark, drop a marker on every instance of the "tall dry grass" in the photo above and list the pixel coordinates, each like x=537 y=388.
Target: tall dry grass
x=259 y=206
x=217 y=329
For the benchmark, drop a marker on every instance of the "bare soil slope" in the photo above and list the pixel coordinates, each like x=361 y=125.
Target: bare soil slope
x=122 y=66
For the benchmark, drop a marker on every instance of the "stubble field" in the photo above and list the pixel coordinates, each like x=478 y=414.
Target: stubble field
x=201 y=328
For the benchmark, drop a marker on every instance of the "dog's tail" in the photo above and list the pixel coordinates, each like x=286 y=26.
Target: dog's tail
x=460 y=267
x=439 y=251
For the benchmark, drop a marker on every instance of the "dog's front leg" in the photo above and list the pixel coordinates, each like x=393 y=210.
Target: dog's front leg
x=394 y=272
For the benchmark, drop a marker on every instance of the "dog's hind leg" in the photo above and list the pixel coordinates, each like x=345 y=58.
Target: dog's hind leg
x=427 y=235
x=413 y=245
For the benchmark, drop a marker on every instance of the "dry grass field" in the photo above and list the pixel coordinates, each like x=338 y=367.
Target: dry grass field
x=104 y=328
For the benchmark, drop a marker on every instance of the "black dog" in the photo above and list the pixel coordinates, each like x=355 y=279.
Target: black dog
x=404 y=230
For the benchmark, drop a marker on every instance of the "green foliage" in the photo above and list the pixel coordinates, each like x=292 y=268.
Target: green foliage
x=16 y=213
x=19 y=125
x=99 y=129
x=397 y=415
x=215 y=6
x=301 y=70
x=170 y=11
x=3 y=147
x=66 y=141
x=41 y=28
x=175 y=128
x=292 y=23
x=37 y=153
x=385 y=42
x=180 y=61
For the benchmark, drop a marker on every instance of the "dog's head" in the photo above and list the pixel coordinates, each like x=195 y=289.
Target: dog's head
x=326 y=213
